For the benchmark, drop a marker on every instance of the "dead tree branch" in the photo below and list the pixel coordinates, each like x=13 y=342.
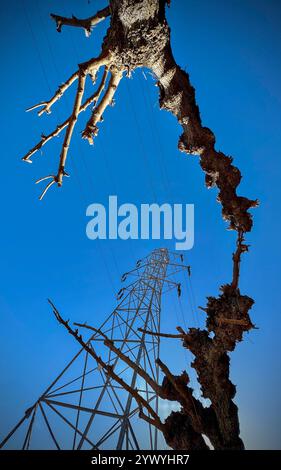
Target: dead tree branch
x=87 y=24
x=240 y=248
x=45 y=138
x=90 y=68
x=59 y=93
x=87 y=68
x=91 y=128
x=162 y=335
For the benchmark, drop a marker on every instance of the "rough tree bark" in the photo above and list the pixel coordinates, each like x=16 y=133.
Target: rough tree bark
x=139 y=36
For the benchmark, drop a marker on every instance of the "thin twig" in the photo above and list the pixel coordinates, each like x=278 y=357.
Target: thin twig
x=46 y=189
x=43 y=103
x=236 y=257
x=162 y=335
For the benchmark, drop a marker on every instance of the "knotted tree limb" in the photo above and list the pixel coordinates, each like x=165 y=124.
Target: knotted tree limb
x=228 y=319
x=178 y=96
x=212 y=361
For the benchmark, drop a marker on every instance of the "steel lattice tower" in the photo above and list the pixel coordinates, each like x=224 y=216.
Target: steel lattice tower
x=83 y=408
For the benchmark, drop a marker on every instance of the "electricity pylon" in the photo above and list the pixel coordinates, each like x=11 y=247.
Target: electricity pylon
x=84 y=408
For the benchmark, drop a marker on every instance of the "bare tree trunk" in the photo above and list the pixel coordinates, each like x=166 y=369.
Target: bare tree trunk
x=139 y=36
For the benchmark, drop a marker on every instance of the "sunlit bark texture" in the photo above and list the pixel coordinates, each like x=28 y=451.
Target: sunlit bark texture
x=139 y=36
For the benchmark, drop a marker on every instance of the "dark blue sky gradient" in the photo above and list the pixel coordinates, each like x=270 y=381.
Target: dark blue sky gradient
x=232 y=51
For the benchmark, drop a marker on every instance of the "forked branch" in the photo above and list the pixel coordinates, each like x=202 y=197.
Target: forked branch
x=46 y=105
x=93 y=99
x=88 y=68
x=77 y=104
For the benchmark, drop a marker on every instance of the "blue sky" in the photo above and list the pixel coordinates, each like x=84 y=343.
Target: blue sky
x=232 y=52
